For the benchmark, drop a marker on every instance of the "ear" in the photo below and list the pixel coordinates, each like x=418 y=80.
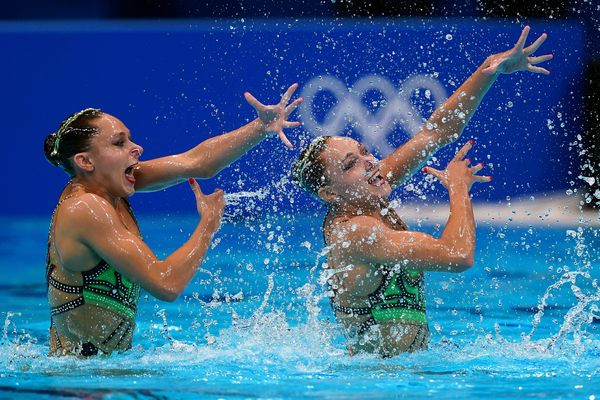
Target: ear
x=327 y=195
x=84 y=162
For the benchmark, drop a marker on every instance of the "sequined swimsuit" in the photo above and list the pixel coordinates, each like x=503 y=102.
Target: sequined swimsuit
x=103 y=287
x=399 y=298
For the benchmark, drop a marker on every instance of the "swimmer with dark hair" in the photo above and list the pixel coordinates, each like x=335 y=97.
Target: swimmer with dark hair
x=97 y=260
x=376 y=263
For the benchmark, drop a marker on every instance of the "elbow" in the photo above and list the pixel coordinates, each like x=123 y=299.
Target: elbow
x=462 y=262
x=168 y=294
x=170 y=297
x=459 y=257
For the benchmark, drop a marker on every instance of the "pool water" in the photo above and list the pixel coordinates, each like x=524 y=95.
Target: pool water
x=255 y=322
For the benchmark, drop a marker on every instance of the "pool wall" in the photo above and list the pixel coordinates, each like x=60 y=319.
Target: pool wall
x=175 y=84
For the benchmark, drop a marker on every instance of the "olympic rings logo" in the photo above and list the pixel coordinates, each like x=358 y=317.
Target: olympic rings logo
x=350 y=110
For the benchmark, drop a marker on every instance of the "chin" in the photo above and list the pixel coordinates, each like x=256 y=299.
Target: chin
x=382 y=193
x=129 y=190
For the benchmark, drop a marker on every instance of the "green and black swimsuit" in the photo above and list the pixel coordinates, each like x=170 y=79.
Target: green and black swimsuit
x=102 y=286
x=399 y=298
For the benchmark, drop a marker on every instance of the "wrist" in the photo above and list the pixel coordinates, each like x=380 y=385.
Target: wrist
x=260 y=127
x=489 y=61
x=210 y=222
x=459 y=188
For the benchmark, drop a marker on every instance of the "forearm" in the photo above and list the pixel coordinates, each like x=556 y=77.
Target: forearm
x=178 y=269
x=211 y=156
x=447 y=122
x=444 y=126
x=459 y=234
x=203 y=161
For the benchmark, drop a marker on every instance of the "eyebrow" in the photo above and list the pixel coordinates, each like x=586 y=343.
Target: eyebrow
x=351 y=153
x=120 y=134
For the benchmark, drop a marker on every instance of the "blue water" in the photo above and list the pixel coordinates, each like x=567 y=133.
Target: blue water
x=523 y=322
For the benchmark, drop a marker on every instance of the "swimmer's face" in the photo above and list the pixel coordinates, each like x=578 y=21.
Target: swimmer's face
x=114 y=156
x=353 y=173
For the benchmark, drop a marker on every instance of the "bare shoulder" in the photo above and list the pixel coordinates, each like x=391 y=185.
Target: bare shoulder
x=85 y=213
x=357 y=228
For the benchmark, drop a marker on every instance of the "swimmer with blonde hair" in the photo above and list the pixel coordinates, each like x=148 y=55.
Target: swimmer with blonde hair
x=97 y=260
x=377 y=264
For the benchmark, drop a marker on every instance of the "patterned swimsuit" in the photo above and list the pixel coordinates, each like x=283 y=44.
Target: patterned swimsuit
x=102 y=286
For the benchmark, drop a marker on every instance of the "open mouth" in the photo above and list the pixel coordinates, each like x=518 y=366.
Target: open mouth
x=129 y=173
x=376 y=179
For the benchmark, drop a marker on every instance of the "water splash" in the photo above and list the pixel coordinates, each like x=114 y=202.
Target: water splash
x=7 y=324
x=583 y=312
x=249 y=201
x=234 y=199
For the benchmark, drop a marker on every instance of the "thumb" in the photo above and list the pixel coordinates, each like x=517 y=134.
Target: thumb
x=196 y=188
x=284 y=139
x=252 y=100
x=492 y=69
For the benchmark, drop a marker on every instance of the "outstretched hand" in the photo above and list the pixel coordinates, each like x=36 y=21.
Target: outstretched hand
x=275 y=117
x=519 y=57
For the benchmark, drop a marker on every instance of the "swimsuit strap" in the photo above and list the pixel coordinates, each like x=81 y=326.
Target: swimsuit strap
x=95 y=272
x=64 y=287
x=379 y=294
x=374 y=299
x=104 y=281
x=71 y=305
x=421 y=338
x=127 y=331
x=49 y=265
x=351 y=310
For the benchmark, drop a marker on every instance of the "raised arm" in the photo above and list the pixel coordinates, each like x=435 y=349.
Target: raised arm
x=211 y=156
x=370 y=241
x=94 y=223
x=447 y=122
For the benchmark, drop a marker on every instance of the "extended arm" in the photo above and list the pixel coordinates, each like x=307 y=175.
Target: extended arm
x=211 y=156
x=447 y=122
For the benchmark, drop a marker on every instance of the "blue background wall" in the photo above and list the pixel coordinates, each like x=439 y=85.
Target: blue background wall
x=177 y=83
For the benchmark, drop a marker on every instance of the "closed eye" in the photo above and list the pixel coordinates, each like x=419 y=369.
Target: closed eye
x=349 y=164
x=121 y=138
